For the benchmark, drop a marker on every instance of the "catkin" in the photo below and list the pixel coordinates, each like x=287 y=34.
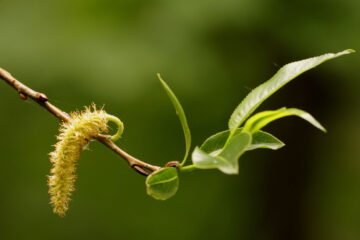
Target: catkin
x=74 y=135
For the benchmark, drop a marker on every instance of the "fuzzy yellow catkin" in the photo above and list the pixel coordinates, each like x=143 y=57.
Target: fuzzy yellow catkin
x=74 y=135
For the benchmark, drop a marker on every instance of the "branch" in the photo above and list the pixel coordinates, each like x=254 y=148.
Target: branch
x=40 y=98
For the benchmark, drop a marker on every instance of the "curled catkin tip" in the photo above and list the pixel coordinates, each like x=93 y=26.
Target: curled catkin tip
x=73 y=137
x=119 y=124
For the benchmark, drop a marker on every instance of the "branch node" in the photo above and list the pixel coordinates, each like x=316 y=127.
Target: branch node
x=42 y=97
x=140 y=170
x=23 y=96
x=174 y=164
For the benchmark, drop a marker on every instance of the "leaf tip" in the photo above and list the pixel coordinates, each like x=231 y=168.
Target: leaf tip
x=159 y=77
x=347 y=51
x=350 y=51
x=320 y=127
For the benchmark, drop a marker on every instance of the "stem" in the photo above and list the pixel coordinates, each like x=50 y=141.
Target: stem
x=40 y=98
x=188 y=168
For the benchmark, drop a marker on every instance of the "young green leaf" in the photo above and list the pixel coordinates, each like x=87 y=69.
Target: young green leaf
x=260 y=139
x=181 y=114
x=227 y=160
x=265 y=90
x=260 y=120
x=204 y=160
x=163 y=183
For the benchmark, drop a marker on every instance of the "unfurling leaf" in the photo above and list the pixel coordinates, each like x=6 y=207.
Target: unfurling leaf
x=265 y=90
x=260 y=120
x=181 y=114
x=227 y=159
x=163 y=183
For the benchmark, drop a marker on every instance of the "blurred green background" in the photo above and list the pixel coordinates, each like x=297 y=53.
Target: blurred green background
x=212 y=53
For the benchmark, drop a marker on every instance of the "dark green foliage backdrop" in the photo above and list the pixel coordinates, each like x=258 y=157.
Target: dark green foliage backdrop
x=211 y=53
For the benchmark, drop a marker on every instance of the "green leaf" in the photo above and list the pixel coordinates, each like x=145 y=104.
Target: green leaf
x=265 y=90
x=261 y=119
x=163 y=183
x=181 y=114
x=227 y=160
x=260 y=139
x=263 y=139
x=204 y=160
